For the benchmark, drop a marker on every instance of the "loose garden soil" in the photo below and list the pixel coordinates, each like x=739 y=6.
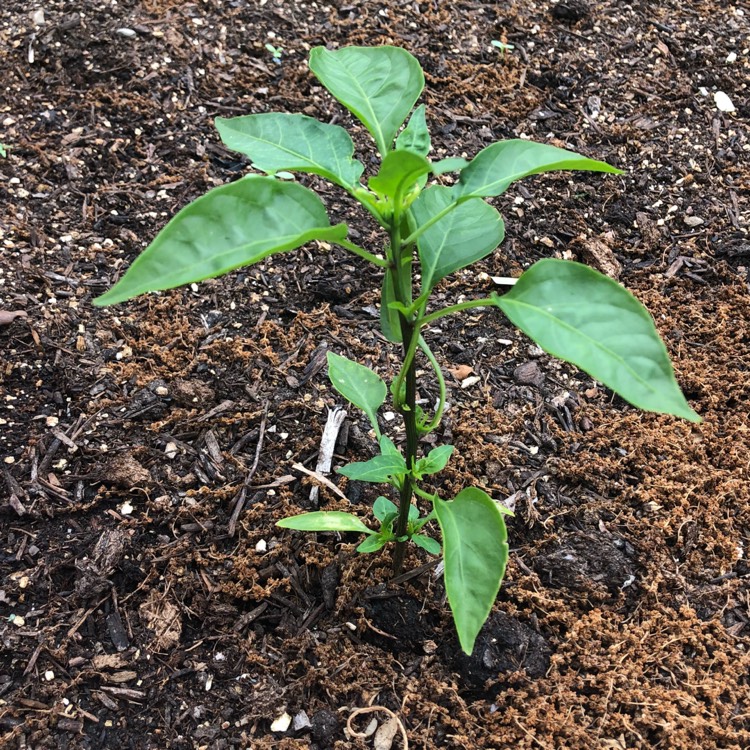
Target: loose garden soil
x=147 y=598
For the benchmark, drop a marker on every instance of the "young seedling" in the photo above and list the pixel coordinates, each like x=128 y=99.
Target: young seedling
x=432 y=230
x=275 y=52
x=503 y=47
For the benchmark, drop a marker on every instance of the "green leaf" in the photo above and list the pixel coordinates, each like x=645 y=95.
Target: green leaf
x=228 y=227
x=475 y=551
x=415 y=136
x=378 y=85
x=378 y=469
x=398 y=172
x=383 y=507
x=586 y=318
x=359 y=385
x=372 y=544
x=276 y=141
x=494 y=168
x=427 y=543
x=325 y=520
x=472 y=230
x=434 y=461
x=388 y=447
x=451 y=164
x=390 y=323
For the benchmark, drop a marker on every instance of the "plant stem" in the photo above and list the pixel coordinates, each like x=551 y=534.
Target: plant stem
x=357 y=250
x=409 y=413
x=484 y=302
x=408 y=407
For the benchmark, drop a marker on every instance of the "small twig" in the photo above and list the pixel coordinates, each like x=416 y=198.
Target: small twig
x=376 y=709
x=320 y=479
x=239 y=500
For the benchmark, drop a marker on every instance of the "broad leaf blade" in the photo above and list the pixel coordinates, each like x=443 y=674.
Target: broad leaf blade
x=472 y=230
x=378 y=469
x=415 y=136
x=494 y=168
x=475 y=551
x=230 y=226
x=398 y=172
x=277 y=141
x=434 y=461
x=586 y=318
x=378 y=85
x=325 y=520
x=357 y=384
x=451 y=164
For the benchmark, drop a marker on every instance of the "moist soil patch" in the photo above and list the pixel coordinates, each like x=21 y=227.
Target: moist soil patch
x=147 y=598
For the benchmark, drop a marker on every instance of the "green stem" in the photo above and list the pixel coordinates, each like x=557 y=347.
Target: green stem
x=435 y=421
x=407 y=376
x=357 y=250
x=485 y=302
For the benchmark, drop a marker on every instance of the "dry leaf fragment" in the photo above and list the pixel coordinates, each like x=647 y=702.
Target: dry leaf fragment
x=461 y=372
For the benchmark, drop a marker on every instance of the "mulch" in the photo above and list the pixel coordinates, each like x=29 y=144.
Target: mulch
x=147 y=598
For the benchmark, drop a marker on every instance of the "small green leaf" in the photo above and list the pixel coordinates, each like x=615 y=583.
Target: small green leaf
x=585 y=318
x=415 y=136
x=325 y=520
x=372 y=544
x=383 y=507
x=398 y=172
x=494 y=168
x=359 y=385
x=427 y=543
x=378 y=469
x=277 y=141
x=472 y=230
x=434 y=461
x=475 y=551
x=378 y=85
x=228 y=227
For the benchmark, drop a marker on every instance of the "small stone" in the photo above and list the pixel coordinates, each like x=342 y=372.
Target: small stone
x=171 y=450
x=261 y=546
x=723 y=102
x=51 y=421
x=468 y=382
x=693 y=221
x=17 y=620
x=301 y=722
x=128 y=33
x=281 y=724
x=49 y=675
x=126 y=509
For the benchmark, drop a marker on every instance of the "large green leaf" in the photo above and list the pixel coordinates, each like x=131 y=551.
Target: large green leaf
x=276 y=141
x=398 y=172
x=415 y=136
x=357 y=384
x=472 y=230
x=228 y=227
x=325 y=520
x=378 y=469
x=586 y=318
x=497 y=166
x=378 y=85
x=475 y=550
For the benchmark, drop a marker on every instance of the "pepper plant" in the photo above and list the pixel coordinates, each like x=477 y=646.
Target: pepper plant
x=432 y=230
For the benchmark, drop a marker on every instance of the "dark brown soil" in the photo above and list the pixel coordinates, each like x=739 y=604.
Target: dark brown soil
x=148 y=600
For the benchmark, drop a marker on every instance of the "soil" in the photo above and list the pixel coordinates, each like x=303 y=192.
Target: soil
x=149 y=601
